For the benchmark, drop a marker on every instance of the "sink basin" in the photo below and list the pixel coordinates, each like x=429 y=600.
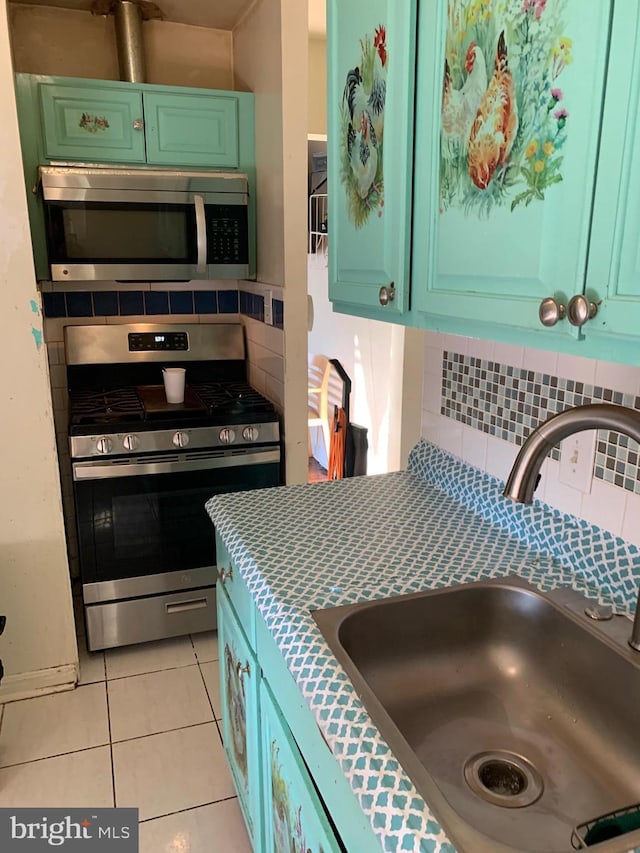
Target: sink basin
x=516 y=716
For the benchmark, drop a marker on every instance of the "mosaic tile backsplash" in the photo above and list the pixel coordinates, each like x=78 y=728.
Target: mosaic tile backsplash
x=509 y=402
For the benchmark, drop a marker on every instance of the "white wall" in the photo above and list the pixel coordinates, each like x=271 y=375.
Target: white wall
x=317 y=85
x=270 y=59
x=373 y=354
x=38 y=647
x=608 y=506
x=68 y=42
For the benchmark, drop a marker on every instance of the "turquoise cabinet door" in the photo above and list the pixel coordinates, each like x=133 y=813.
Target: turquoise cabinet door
x=613 y=278
x=100 y=124
x=239 y=677
x=294 y=817
x=509 y=107
x=191 y=130
x=370 y=92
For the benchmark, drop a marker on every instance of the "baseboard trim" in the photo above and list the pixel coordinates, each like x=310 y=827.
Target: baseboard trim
x=26 y=685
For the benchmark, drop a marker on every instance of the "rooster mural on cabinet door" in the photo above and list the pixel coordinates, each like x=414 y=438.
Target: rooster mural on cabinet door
x=362 y=129
x=504 y=118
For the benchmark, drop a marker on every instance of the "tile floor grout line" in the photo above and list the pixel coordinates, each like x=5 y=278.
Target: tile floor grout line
x=213 y=710
x=113 y=769
x=153 y=671
x=164 y=731
x=57 y=755
x=189 y=809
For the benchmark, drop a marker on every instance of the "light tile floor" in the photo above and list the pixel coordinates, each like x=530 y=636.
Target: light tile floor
x=141 y=730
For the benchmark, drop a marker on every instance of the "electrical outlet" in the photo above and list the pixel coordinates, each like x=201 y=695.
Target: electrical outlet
x=268 y=308
x=577 y=456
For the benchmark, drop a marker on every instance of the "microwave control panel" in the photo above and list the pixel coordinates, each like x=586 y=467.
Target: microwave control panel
x=155 y=341
x=227 y=237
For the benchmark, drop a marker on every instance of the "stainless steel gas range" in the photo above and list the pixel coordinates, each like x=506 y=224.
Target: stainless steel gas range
x=144 y=468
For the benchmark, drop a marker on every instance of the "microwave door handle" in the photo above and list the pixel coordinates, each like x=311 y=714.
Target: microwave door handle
x=201 y=234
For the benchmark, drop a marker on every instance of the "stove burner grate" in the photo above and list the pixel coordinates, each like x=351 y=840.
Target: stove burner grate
x=231 y=396
x=90 y=406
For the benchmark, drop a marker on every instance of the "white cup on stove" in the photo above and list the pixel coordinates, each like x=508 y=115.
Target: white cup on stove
x=174 y=383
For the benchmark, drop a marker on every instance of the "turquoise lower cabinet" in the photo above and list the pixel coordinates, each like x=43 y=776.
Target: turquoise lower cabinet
x=294 y=817
x=370 y=102
x=99 y=123
x=239 y=680
x=192 y=130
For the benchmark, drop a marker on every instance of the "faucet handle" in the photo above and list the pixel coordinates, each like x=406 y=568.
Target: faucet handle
x=551 y=311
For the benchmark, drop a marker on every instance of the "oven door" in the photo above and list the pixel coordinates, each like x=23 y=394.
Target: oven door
x=142 y=525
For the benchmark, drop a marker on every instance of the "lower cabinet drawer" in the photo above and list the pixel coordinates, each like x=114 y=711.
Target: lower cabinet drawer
x=293 y=813
x=141 y=620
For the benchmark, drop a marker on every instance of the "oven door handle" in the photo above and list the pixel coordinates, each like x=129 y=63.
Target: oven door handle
x=112 y=469
x=201 y=233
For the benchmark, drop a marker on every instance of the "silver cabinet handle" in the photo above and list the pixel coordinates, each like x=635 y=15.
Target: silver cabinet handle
x=580 y=309
x=201 y=231
x=138 y=124
x=243 y=669
x=183 y=606
x=551 y=311
x=387 y=294
x=226 y=575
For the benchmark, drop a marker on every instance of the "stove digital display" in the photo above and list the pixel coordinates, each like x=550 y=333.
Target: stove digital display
x=152 y=342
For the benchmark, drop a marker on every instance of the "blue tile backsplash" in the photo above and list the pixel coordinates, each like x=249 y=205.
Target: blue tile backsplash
x=125 y=303
x=128 y=303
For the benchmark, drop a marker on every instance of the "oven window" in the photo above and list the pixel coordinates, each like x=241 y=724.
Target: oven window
x=134 y=526
x=102 y=232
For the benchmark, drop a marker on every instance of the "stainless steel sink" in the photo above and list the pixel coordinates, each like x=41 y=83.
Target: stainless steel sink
x=516 y=716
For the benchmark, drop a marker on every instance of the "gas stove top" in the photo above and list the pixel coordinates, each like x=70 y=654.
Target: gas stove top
x=212 y=403
x=117 y=402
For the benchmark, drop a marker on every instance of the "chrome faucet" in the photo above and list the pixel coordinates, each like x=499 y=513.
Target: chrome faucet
x=523 y=478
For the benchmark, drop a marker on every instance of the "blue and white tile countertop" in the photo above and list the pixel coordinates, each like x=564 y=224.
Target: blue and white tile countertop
x=439 y=523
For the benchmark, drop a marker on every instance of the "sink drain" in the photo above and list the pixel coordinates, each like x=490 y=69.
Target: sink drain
x=503 y=779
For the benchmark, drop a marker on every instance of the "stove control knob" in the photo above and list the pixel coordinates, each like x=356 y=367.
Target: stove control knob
x=227 y=436
x=250 y=433
x=131 y=442
x=181 y=439
x=104 y=445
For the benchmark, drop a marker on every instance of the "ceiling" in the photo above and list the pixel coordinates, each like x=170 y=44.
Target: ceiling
x=217 y=14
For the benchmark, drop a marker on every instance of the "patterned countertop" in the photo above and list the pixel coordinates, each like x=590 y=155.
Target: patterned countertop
x=439 y=523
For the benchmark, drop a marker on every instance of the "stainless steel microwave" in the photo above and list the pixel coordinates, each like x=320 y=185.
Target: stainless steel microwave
x=145 y=225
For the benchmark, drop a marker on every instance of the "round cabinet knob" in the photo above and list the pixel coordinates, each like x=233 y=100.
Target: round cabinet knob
x=551 y=311
x=131 y=442
x=387 y=294
x=250 y=433
x=180 y=439
x=227 y=436
x=580 y=309
x=104 y=445
x=138 y=124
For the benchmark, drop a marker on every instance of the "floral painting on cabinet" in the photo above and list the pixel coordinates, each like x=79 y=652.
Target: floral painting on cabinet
x=504 y=113
x=362 y=129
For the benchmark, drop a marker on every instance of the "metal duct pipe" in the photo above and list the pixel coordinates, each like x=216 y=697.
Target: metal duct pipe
x=128 y=16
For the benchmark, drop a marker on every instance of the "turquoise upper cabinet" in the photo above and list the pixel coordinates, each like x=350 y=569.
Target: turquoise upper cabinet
x=508 y=122
x=195 y=130
x=98 y=121
x=370 y=97
x=104 y=123
x=613 y=274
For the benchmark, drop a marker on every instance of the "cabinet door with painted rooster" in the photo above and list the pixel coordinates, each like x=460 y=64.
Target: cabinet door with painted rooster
x=508 y=116
x=370 y=103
